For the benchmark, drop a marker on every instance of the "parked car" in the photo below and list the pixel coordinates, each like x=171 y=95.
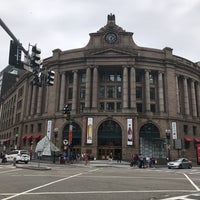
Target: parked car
x=180 y=163
x=19 y=155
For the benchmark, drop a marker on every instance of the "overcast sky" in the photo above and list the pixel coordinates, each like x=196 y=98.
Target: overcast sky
x=66 y=24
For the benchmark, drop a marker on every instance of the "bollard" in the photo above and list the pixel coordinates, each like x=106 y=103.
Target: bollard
x=14 y=161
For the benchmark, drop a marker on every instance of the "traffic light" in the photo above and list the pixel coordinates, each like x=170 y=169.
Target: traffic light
x=35 y=57
x=50 y=77
x=15 y=55
x=37 y=77
x=67 y=113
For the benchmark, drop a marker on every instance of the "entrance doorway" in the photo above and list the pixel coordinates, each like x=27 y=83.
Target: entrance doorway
x=75 y=147
x=150 y=142
x=109 y=140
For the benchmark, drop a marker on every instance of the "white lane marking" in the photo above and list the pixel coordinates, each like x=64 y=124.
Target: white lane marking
x=53 y=182
x=14 y=170
x=194 y=185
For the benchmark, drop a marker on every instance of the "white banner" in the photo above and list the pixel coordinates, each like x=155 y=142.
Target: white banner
x=130 y=131
x=174 y=131
x=49 y=123
x=89 y=130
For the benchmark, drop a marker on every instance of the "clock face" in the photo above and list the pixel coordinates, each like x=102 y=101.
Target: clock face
x=111 y=38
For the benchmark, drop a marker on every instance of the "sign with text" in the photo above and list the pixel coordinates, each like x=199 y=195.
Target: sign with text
x=130 y=131
x=89 y=130
x=174 y=131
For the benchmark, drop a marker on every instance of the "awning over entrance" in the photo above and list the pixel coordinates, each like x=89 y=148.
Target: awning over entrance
x=197 y=140
x=24 y=137
x=187 y=139
x=29 y=137
x=37 y=136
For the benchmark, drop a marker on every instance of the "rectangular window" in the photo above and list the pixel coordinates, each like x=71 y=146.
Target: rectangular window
x=70 y=93
x=119 y=91
x=82 y=93
x=110 y=106
x=194 y=130
x=101 y=106
x=152 y=93
x=39 y=127
x=110 y=92
x=70 y=78
x=139 y=77
x=138 y=92
x=111 y=78
x=185 y=129
x=139 y=107
x=32 y=128
x=82 y=106
x=101 y=91
x=152 y=78
x=83 y=77
x=153 y=108
x=119 y=106
x=119 y=78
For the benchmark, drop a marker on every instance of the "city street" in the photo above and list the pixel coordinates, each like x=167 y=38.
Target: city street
x=78 y=181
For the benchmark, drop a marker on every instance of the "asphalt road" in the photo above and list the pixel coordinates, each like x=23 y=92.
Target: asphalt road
x=98 y=182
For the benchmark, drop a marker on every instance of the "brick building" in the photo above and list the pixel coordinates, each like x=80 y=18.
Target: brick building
x=124 y=99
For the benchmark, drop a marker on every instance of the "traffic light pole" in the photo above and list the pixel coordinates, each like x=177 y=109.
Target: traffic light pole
x=12 y=36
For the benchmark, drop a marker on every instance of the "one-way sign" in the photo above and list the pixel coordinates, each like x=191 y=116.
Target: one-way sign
x=65 y=142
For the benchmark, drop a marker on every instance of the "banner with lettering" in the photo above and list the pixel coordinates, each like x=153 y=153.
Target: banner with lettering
x=89 y=130
x=130 y=131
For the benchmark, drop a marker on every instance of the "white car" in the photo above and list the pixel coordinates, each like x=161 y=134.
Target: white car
x=19 y=155
x=180 y=163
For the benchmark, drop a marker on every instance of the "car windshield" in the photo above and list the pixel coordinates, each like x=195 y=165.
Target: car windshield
x=24 y=152
x=177 y=160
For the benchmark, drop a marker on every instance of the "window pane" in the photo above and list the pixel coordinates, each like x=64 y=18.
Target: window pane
x=119 y=92
x=111 y=78
x=83 y=78
x=110 y=106
x=70 y=93
x=110 y=92
x=152 y=94
x=82 y=93
x=101 y=91
x=119 y=78
x=138 y=92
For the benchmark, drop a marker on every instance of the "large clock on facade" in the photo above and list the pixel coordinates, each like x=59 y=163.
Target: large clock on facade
x=111 y=38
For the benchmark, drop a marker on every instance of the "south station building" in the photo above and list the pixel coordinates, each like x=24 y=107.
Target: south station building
x=123 y=99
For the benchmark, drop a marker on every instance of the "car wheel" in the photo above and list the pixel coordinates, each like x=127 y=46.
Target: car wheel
x=180 y=166
x=169 y=167
x=26 y=162
x=190 y=167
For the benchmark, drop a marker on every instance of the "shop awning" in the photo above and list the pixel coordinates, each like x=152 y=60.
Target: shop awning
x=187 y=139
x=37 y=136
x=29 y=137
x=197 y=140
x=8 y=140
x=24 y=137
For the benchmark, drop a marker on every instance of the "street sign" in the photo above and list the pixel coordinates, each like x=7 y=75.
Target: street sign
x=65 y=142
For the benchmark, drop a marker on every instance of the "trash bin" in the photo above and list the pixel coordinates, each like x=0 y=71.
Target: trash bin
x=62 y=160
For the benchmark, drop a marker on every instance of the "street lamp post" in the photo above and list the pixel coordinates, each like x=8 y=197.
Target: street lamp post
x=168 y=146
x=55 y=131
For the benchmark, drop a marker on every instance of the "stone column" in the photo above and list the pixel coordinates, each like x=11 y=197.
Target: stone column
x=133 y=89
x=125 y=87
x=75 y=86
x=28 y=109
x=177 y=96
x=198 y=98
x=62 y=91
x=95 y=88
x=39 y=101
x=186 y=100
x=33 y=102
x=194 y=103
x=160 y=92
x=147 y=91
x=88 y=88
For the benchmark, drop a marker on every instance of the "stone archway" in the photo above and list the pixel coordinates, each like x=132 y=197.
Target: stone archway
x=109 y=140
x=151 y=144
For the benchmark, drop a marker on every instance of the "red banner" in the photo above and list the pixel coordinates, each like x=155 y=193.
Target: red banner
x=198 y=153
